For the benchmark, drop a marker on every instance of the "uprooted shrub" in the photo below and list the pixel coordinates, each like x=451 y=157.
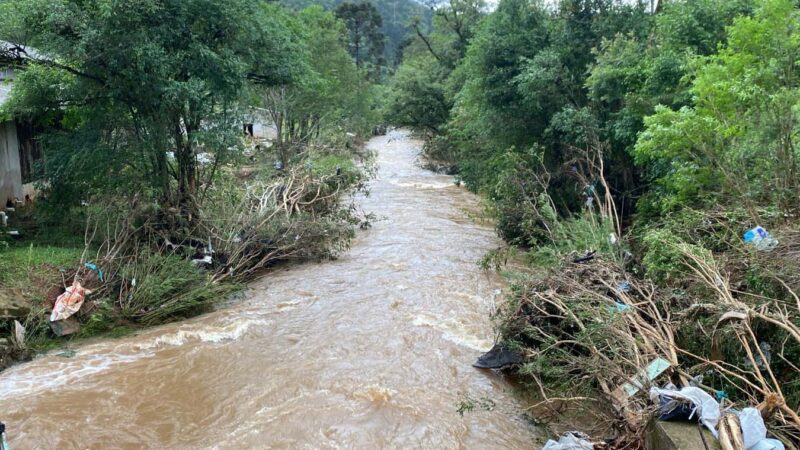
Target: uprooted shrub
x=588 y=328
x=298 y=216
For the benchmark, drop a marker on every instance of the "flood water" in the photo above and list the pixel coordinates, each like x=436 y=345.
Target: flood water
x=372 y=350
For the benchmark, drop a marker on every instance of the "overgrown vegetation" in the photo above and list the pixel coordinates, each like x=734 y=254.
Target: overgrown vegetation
x=396 y=17
x=153 y=197
x=650 y=141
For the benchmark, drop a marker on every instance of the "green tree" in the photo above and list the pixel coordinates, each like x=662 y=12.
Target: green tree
x=366 y=40
x=422 y=92
x=131 y=81
x=332 y=93
x=737 y=142
x=454 y=25
x=636 y=71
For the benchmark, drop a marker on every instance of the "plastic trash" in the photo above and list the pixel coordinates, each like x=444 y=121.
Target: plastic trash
x=69 y=302
x=624 y=287
x=206 y=261
x=759 y=238
x=670 y=409
x=696 y=381
x=19 y=334
x=753 y=428
x=766 y=349
x=642 y=378
x=569 y=441
x=3 y=218
x=704 y=407
x=92 y=266
x=754 y=432
x=620 y=307
x=3 y=440
x=768 y=444
x=589 y=256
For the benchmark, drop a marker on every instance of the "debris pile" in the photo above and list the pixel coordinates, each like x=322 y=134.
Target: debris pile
x=590 y=330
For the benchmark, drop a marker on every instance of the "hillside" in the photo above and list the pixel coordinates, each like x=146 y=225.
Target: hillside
x=396 y=15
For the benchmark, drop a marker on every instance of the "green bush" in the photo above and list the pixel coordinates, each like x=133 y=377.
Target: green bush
x=666 y=256
x=159 y=288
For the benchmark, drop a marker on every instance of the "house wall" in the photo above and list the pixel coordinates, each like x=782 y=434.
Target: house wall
x=10 y=172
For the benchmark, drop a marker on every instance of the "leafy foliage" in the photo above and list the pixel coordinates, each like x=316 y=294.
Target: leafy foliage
x=166 y=287
x=331 y=96
x=738 y=139
x=123 y=94
x=396 y=15
x=365 y=39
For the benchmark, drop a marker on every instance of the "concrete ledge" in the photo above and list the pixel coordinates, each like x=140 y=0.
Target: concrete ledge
x=678 y=436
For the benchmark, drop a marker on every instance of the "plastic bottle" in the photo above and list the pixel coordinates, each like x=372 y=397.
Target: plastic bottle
x=759 y=238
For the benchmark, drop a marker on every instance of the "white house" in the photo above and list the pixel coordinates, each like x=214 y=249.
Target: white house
x=19 y=148
x=10 y=171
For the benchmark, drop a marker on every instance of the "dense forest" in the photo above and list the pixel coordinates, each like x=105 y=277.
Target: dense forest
x=643 y=162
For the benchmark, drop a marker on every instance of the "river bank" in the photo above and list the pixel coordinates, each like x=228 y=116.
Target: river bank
x=111 y=267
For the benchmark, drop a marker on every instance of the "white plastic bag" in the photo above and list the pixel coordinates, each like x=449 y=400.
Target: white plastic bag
x=69 y=302
x=705 y=406
x=568 y=442
x=754 y=432
x=768 y=444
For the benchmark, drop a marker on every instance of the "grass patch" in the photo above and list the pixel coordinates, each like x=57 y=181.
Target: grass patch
x=29 y=273
x=167 y=287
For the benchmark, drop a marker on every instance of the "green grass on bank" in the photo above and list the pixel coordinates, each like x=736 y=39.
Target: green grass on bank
x=23 y=267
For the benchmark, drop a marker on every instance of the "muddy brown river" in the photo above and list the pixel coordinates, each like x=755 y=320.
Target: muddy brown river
x=372 y=350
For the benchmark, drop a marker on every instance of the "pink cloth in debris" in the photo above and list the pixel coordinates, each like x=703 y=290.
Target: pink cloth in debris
x=69 y=302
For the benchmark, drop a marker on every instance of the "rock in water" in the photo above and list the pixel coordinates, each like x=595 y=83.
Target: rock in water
x=497 y=358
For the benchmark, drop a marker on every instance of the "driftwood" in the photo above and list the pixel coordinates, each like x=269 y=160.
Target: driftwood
x=730 y=433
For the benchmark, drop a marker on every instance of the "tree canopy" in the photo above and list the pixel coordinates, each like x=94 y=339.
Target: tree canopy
x=365 y=38
x=134 y=91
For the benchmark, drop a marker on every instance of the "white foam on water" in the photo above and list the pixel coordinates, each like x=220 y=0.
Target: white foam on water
x=423 y=185
x=55 y=372
x=454 y=331
x=230 y=332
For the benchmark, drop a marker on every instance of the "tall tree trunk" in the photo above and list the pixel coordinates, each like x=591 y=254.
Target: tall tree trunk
x=187 y=166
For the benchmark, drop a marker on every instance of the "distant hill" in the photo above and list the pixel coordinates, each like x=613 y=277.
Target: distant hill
x=396 y=16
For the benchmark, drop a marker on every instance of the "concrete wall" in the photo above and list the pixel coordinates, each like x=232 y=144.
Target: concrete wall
x=10 y=173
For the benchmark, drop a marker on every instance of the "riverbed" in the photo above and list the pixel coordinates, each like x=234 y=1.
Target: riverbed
x=372 y=350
